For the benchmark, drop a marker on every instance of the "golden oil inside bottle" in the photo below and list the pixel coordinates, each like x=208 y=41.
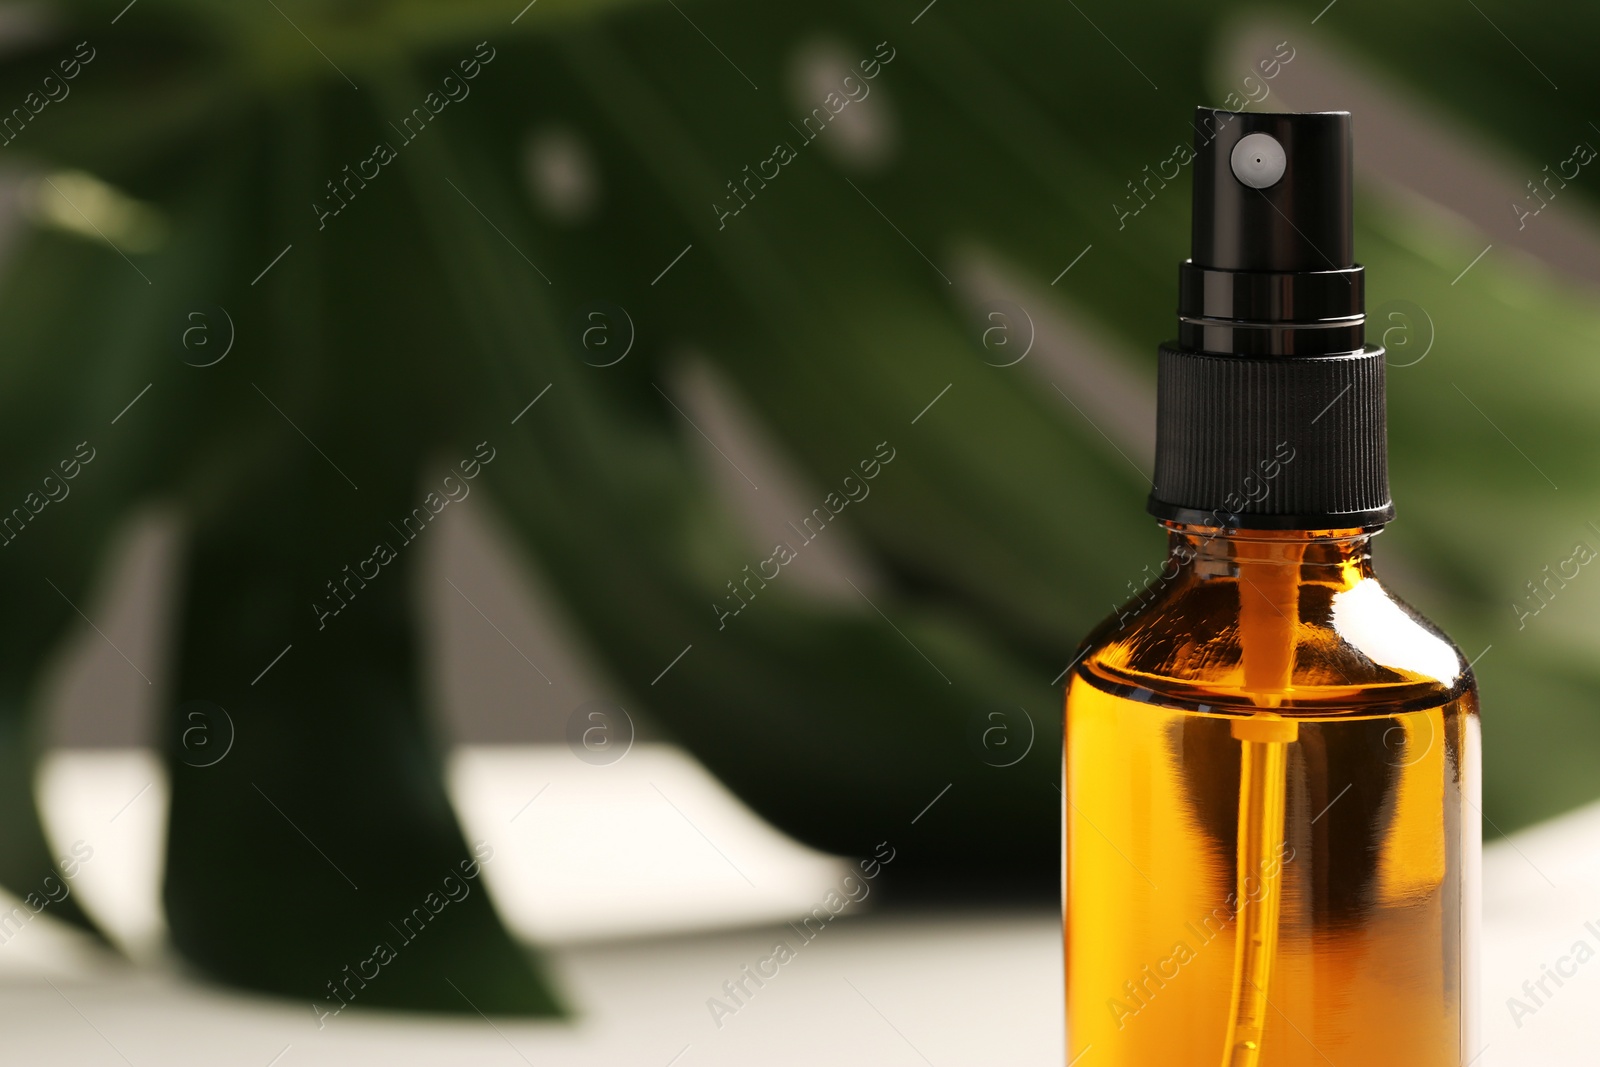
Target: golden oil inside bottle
x=1372 y=966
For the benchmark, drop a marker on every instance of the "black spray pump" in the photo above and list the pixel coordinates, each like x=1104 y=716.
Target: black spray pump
x=1270 y=404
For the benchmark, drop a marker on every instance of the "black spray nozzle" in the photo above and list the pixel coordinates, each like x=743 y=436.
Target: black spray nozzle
x=1272 y=268
x=1272 y=191
x=1271 y=371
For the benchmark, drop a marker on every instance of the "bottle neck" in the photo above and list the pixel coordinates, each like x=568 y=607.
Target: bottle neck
x=1204 y=552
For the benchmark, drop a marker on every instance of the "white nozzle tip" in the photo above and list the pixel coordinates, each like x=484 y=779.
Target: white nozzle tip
x=1258 y=160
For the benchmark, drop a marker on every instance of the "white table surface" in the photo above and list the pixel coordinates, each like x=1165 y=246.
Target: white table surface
x=640 y=959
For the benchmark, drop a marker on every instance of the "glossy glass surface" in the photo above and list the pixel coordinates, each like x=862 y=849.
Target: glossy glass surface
x=1277 y=658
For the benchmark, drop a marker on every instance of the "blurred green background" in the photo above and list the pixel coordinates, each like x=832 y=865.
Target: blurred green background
x=556 y=226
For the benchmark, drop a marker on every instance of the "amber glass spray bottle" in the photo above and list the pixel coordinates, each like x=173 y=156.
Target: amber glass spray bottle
x=1272 y=764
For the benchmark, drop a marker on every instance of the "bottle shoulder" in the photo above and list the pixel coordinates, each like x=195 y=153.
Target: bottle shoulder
x=1357 y=648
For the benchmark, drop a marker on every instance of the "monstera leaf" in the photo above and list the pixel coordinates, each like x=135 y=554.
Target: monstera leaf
x=352 y=183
